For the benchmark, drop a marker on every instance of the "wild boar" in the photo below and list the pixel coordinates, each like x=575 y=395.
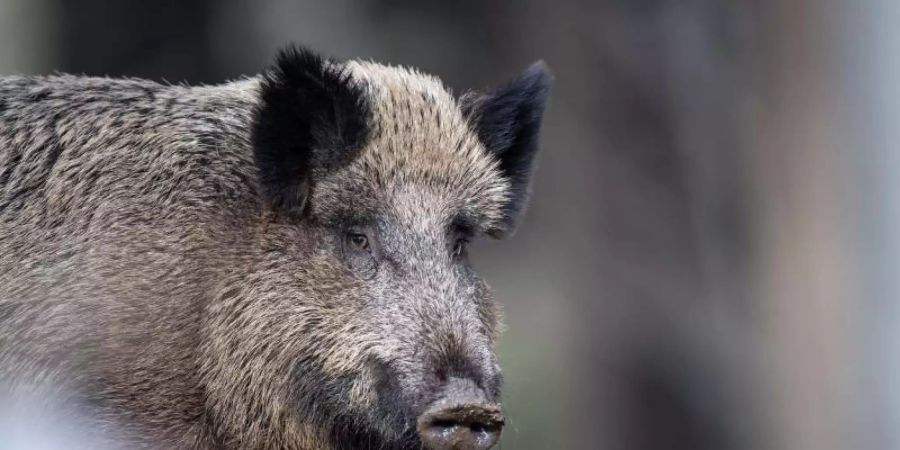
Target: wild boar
x=278 y=262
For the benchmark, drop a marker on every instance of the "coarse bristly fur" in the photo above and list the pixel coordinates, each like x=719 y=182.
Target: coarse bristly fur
x=276 y=263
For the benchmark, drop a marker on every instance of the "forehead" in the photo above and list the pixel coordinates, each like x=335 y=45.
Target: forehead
x=422 y=159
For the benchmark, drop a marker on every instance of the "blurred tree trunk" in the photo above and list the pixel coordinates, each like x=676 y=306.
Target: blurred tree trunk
x=161 y=40
x=808 y=283
x=28 y=36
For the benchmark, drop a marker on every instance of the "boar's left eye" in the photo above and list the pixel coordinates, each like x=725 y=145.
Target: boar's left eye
x=462 y=233
x=460 y=248
x=359 y=254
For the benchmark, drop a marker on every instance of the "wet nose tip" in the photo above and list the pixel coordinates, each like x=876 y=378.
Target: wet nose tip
x=462 y=427
x=461 y=420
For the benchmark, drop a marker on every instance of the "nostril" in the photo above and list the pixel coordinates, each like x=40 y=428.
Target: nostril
x=481 y=428
x=461 y=427
x=443 y=424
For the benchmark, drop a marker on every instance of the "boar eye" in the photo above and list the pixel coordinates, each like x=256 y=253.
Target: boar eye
x=460 y=248
x=357 y=240
x=462 y=232
x=359 y=254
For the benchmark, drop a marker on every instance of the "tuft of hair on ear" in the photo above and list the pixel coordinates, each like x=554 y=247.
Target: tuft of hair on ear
x=311 y=118
x=508 y=123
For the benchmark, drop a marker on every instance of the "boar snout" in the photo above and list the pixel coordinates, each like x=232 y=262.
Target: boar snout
x=462 y=419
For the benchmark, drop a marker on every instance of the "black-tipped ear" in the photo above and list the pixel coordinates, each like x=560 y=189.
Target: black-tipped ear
x=508 y=122
x=311 y=118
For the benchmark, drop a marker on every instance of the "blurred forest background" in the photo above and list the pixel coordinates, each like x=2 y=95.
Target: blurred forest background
x=710 y=258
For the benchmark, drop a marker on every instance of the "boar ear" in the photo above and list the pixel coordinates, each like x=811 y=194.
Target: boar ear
x=508 y=122
x=311 y=118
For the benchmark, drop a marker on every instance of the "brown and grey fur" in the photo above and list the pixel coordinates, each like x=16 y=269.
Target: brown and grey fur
x=149 y=276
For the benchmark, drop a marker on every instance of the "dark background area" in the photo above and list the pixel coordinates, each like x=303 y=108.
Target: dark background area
x=708 y=260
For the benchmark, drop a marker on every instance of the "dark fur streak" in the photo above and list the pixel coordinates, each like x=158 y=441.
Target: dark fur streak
x=10 y=165
x=342 y=430
x=40 y=95
x=7 y=310
x=149 y=93
x=54 y=150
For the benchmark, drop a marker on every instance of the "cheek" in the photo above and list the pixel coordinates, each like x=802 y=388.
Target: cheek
x=489 y=311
